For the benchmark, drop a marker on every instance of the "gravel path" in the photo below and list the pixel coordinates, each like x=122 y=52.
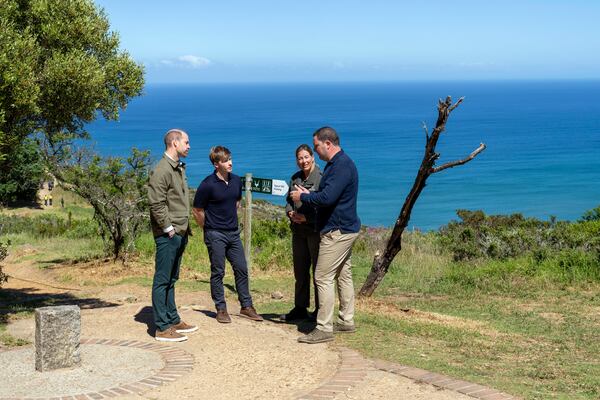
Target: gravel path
x=241 y=360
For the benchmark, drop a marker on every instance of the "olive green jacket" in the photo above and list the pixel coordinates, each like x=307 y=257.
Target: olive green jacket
x=169 y=198
x=312 y=184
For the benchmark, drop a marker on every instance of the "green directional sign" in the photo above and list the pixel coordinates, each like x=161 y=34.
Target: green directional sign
x=269 y=186
x=262 y=185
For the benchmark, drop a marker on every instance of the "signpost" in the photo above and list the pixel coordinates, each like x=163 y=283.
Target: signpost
x=259 y=185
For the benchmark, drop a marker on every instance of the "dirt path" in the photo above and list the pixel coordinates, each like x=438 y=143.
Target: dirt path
x=242 y=360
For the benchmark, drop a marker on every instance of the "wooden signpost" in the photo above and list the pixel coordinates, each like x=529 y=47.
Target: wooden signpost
x=275 y=187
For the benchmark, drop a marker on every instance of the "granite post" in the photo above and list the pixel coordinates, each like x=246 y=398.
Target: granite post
x=57 y=333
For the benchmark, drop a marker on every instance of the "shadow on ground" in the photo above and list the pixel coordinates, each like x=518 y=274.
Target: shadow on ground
x=302 y=325
x=14 y=301
x=146 y=316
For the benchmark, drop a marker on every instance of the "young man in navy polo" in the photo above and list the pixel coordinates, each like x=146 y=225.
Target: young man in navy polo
x=215 y=210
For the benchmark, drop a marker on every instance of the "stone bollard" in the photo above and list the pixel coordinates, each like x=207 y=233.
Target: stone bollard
x=57 y=331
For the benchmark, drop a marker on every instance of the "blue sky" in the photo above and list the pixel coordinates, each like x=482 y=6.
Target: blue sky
x=349 y=40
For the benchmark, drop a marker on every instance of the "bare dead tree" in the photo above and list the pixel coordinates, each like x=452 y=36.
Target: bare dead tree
x=381 y=262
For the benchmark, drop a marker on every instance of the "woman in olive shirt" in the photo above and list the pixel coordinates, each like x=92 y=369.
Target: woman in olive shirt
x=305 y=235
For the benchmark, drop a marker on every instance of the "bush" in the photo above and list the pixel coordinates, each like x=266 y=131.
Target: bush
x=271 y=243
x=501 y=249
x=480 y=236
x=48 y=225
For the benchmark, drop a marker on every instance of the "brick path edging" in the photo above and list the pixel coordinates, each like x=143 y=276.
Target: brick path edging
x=443 y=381
x=351 y=371
x=353 y=368
x=177 y=363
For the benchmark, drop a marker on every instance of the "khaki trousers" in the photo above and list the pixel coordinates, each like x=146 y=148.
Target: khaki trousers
x=334 y=265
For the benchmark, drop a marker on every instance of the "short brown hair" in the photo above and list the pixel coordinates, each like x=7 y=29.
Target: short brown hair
x=327 y=133
x=219 y=154
x=172 y=134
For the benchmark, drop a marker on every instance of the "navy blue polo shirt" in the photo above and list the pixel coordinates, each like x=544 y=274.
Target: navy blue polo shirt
x=219 y=201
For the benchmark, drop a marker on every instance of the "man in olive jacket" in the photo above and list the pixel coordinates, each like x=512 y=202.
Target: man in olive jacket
x=168 y=194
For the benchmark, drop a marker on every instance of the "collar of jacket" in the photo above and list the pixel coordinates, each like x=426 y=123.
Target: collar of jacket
x=173 y=163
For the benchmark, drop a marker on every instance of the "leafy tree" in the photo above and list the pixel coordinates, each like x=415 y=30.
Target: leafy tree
x=60 y=67
x=23 y=173
x=117 y=190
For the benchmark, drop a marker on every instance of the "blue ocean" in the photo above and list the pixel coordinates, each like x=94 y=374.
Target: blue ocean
x=542 y=157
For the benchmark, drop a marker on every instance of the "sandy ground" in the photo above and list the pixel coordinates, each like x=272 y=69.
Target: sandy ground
x=241 y=360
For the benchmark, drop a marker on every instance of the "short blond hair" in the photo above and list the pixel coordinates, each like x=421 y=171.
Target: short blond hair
x=219 y=154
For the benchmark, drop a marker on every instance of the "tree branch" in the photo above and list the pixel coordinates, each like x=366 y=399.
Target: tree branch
x=456 y=104
x=426 y=132
x=459 y=162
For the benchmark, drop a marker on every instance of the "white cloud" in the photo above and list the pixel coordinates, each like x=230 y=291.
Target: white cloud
x=187 y=61
x=194 y=61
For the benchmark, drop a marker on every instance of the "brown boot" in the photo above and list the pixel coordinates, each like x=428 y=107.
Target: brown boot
x=223 y=317
x=250 y=313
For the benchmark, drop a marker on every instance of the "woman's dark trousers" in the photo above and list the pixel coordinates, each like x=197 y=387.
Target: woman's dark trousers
x=305 y=248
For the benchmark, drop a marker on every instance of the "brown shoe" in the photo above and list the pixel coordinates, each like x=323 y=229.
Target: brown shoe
x=169 y=335
x=223 y=317
x=182 y=327
x=250 y=313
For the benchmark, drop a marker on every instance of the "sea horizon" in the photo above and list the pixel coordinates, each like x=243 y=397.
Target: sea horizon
x=543 y=139
x=368 y=81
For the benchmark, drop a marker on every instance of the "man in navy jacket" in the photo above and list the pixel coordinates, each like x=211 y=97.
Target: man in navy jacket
x=339 y=225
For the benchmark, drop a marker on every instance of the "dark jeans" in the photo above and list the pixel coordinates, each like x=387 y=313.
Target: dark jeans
x=221 y=245
x=169 y=252
x=305 y=249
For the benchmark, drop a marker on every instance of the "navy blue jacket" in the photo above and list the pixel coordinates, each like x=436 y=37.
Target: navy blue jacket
x=336 y=197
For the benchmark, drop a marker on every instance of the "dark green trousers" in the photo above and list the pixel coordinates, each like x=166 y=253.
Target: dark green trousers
x=169 y=252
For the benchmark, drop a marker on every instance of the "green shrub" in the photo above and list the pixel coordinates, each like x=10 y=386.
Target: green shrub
x=480 y=236
x=48 y=225
x=497 y=250
x=271 y=243
x=265 y=230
